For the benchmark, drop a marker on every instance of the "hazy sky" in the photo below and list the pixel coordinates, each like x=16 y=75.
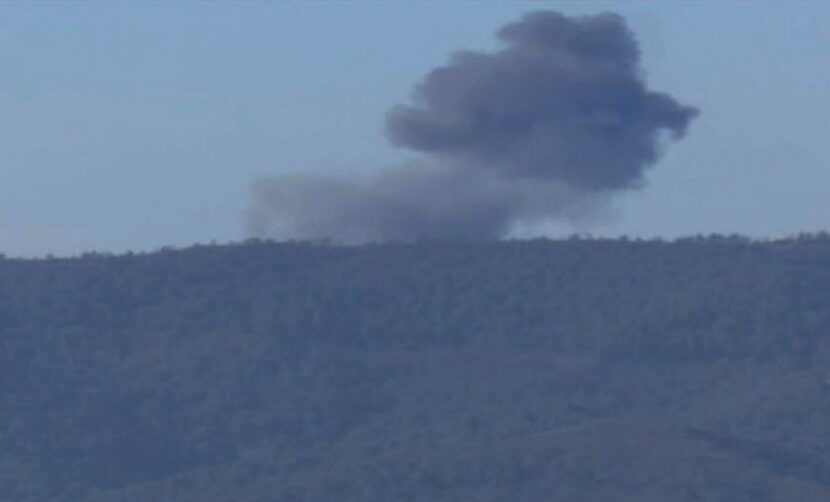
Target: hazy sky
x=134 y=125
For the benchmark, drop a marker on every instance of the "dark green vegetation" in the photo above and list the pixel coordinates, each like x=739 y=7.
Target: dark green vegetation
x=576 y=370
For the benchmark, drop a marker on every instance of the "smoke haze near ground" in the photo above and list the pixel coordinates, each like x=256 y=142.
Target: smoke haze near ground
x=558 y=119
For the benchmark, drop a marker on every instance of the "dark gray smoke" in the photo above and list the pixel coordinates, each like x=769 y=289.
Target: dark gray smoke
x=559 y=117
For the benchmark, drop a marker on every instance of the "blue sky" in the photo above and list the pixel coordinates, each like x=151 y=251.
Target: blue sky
x=135 y=125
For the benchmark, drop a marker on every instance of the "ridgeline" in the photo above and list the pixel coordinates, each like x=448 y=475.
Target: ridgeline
x=590 y=370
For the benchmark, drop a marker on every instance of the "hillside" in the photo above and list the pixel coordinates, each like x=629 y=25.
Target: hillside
x=537 y=370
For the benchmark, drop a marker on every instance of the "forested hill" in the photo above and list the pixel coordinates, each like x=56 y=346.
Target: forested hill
x=528 y=370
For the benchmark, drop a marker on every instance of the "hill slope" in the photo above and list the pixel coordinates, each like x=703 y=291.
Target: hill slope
x=573 y=370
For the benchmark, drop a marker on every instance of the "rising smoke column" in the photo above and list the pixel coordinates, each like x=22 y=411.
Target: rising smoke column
x=558 y=118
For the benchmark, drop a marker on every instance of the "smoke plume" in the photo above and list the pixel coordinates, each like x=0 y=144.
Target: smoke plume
x=559 y=118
